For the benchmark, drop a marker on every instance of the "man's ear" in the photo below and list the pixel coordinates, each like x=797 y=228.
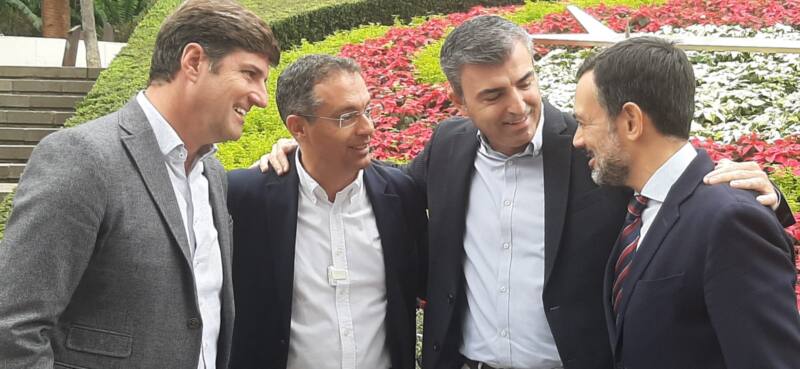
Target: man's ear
x=457 y=100
x=632 y=121
x=192 y=60
x=297 y=126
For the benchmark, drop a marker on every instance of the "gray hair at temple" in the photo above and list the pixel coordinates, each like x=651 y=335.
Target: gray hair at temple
x=295 y=92
x=484 y=40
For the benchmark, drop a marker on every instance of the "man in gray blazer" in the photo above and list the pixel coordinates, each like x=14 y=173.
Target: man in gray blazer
x=118 y=250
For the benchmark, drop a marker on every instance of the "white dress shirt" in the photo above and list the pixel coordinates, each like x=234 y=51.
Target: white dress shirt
x=505 y=323
x=659 y=184
x=339 y=298
x=191 y=193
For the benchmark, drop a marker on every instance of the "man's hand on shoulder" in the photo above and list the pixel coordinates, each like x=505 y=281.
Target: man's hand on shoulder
x=278 y=157
x=746 y=176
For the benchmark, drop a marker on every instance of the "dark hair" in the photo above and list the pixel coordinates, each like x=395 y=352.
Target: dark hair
x=650 y=72
x=483 y=40
x=219 y=26
x=295 y=91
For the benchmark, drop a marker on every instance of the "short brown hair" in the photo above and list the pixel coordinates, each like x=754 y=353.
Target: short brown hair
x=219 y=26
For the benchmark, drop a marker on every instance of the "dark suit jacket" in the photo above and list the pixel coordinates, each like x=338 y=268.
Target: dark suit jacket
x=711 y=285
x=264 y=209
x=582 y=222
x=95 y=264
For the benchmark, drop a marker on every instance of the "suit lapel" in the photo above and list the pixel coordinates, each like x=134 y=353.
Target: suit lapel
x=557 y=157
x=391 y=226
x=662 y=224
x=390 y=222
x=281 y=200
x=138 y=138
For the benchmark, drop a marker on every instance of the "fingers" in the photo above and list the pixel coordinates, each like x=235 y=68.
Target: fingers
x=745 y=176
x=278 y=158
x=264 y=163
x=769 y=200
x=727 y=170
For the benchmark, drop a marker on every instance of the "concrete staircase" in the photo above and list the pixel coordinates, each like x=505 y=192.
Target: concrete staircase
x=34 y=102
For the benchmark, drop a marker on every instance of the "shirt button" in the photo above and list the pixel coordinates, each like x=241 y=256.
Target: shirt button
x=506 y=245
x=510 y=163
x=346 y=332
x=503 y=289
x=507 y=203
x=503 y=333
x=338 y=252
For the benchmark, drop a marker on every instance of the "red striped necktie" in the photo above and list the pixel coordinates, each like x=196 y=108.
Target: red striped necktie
x=628 y=241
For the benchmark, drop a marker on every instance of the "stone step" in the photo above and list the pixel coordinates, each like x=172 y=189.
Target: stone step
x=18 y=117
x=15 y=153
x=6 y=188
x=24 y=134
x=38 y=101
x=49 y=72
x=11 y=171
x=44 y=86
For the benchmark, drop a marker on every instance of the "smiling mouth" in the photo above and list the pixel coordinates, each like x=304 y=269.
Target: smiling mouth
x=522 y=120
x=240 y=111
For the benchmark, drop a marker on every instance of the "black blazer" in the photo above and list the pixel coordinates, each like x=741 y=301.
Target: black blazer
x=582 y=223
x=264 y=211
x=711 y=285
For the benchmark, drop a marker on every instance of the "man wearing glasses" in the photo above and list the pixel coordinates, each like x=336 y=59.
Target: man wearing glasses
x=330 y=258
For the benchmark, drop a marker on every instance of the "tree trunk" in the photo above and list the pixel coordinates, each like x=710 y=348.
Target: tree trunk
x=55 y=18
x=89 y=34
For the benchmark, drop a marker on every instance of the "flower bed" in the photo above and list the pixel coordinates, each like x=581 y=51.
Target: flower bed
x=748 y=104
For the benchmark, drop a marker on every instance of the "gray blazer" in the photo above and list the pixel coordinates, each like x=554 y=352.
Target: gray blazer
x=95 y=267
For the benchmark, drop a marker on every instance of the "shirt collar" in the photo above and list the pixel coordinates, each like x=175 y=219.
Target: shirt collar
x=316 y=193
x=532 y=149
x=168 y=140
x=659 y=184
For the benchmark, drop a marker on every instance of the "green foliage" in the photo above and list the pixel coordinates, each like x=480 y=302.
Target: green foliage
x=426 y=62
x=327 y=16
x=790 y=186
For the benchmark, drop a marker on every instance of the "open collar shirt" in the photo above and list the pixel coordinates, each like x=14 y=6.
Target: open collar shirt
x=191 y=193
x=339 y=298
x=505 y=324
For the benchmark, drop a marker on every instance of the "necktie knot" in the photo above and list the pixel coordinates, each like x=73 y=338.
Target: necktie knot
x=637 y=204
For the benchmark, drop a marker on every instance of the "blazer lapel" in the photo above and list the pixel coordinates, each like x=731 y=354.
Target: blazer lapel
x=281 y=199
x=662 y=224
x=391 y=226
x=557 y=157
x=138 y=138
x=389 y=219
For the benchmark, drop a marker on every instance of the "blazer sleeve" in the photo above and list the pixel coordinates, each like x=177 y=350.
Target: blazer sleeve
x=49 y=240
x=749 y=292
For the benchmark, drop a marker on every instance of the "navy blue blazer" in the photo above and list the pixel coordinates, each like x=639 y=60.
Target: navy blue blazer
x=264 y=211
x=582 y=222
x=711 y=285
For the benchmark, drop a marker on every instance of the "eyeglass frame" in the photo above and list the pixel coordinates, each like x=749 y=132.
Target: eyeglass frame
x=355 y=114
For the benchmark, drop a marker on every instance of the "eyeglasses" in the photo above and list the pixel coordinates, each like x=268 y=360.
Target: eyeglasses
x=350 y=118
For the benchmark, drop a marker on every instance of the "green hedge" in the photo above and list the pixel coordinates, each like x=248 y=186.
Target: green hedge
x=315 y=23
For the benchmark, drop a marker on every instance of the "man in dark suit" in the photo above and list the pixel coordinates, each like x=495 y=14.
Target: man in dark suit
x=701 y=276
x=118 y=250
x=519 y=231
x=330 y=258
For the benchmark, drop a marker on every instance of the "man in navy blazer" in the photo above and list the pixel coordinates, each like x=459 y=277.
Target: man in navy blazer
x=329 y=259
x=701 y=276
